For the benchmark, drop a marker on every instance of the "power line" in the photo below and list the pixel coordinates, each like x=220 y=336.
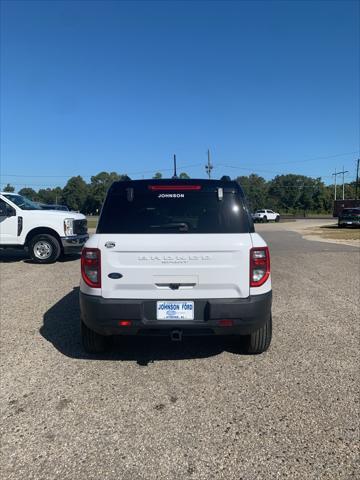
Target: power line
x=317 y=158
x=93 y=175
x=186 y=166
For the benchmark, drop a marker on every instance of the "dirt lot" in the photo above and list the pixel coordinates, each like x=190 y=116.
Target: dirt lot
x=152 y=409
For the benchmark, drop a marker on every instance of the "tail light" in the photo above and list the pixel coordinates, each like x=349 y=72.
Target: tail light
x=259 y=266
x=226 y=323
x=91 y=267
x=174 y=187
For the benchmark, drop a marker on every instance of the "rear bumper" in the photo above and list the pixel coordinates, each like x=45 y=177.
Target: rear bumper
x=247 y=315
x=351 y=223
x=73 y=244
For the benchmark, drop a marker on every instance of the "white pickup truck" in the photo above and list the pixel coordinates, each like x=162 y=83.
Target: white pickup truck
x=45 y=234
x=265 y=215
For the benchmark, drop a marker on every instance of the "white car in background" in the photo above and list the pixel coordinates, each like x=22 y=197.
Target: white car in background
x=266 y=215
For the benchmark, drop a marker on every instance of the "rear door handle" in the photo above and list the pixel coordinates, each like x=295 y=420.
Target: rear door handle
x=175 y=286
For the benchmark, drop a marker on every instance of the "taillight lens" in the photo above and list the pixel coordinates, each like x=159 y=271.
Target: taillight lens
x=91 y=267
x=259 y=266
x=174 y=187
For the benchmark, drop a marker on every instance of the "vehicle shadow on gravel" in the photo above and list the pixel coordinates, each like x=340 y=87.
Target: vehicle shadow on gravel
x=12 y=256
x=61 y=328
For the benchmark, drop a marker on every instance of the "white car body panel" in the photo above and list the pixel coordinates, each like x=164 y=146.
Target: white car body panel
x=207 y=266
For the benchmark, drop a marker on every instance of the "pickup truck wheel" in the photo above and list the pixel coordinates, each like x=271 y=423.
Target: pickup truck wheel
x=277 y=219
x=44 y=248
x=259 y=341
x=92 y=342
x=265 y=219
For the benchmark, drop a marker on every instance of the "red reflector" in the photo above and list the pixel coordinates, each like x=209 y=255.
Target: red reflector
x=125 y=323
x=174 y=187
x=226 y=323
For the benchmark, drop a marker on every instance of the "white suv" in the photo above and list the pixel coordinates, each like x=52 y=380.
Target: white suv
x=265 y=215
x=45 y=234
x=175 y=257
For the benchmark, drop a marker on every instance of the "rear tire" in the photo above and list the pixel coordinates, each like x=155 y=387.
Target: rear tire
x=92 y=342
x=259 y=341
x=265 y=219
x=44 y=248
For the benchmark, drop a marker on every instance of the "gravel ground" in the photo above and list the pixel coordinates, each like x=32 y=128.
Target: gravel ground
x=152 y=409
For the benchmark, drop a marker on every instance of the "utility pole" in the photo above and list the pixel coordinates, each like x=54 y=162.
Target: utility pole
x=343 y=181
x=343 y=175
x=357 y=179
x=175 y=174
x=335 y=175
x=208 y=166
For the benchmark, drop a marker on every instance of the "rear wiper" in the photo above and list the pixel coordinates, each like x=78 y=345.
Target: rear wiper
x=182 y=226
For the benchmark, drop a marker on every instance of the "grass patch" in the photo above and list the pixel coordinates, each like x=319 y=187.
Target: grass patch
x=92 y=222
x=333 y=232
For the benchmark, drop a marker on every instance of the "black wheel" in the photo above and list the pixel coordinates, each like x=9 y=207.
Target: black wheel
x=92 y=342
x=265 y=219
x=44 y=248
x=277 y=219
x=259 y=341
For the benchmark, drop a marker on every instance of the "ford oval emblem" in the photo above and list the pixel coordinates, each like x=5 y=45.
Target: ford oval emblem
x=110 y=244
x=115 y=275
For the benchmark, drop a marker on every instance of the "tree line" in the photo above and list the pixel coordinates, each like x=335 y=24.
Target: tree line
x=292 y=194
x=289 y=193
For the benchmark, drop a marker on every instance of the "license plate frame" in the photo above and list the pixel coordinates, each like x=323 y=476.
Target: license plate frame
x=178 y=310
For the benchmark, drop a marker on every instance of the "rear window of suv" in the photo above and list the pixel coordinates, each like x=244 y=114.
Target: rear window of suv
x=351 y=211
x=143 y=209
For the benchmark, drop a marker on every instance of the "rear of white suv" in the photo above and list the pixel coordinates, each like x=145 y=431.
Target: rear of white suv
x=175 y=257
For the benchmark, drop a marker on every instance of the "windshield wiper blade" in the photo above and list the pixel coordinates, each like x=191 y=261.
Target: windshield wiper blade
x=182 y=226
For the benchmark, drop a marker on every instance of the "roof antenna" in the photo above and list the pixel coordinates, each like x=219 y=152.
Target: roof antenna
x=175 y=175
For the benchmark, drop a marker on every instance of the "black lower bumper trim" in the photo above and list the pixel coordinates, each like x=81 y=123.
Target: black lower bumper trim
x=247 y=314
x=73 y=244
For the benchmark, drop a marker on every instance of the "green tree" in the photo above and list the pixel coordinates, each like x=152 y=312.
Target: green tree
x=320 y=197
x=184 y=176
x=285 y=191
x=293 y=193
x=256 y=191
x=99 y=186
x=75 y=193
x=29 y=193
x=9 y=188
x=50 y=196
x=157 y=175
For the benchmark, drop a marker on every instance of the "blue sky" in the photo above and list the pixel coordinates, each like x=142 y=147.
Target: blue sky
x=269 y=87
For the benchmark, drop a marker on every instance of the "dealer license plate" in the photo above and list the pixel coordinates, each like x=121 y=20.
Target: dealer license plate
x=175 y=310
